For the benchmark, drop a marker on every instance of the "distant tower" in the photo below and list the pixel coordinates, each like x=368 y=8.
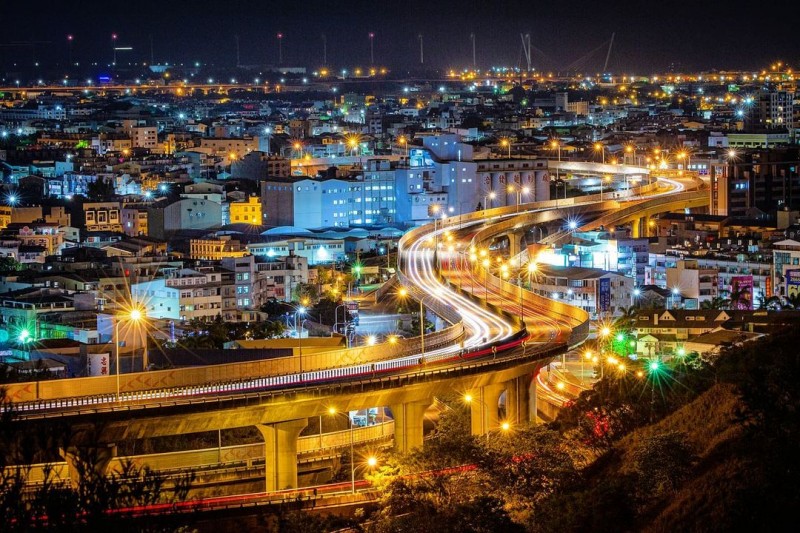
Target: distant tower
x=69 y=49
x=371 y=48
x=472 y=38
x=421 y=52
x=280 y=48
x=324 y=50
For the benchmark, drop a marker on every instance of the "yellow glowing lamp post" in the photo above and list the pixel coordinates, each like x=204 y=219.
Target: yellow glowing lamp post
x=490 y=196
x=402 y=140
x=598 y=147
x=505 y=143
x=333 y=412
x=134 y=316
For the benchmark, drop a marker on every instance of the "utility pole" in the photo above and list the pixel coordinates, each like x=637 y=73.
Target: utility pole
x=421 y=54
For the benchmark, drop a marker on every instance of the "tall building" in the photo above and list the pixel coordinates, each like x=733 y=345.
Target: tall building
x=772 y=110
x=756 y=181
x=259 y=166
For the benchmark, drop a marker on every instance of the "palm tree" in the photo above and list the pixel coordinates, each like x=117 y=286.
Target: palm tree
x=738 y=297
x=627 y=318
x=774 y=303
x=794 y=300
x=717 y=302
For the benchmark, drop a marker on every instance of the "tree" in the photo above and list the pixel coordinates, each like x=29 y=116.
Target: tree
x=530 y=463
x=627 y=318
x=661 y=462
x=716 y=302
x=100 y=189
x=93 y=501
x=9 y=263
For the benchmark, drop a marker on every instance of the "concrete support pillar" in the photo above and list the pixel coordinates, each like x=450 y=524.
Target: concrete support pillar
x=408 y=431
x=84 y=461
x=280 y=452
x=636 y=228
x=484 y=408
x=518 y=401
x=513 y=243
x=533 y=406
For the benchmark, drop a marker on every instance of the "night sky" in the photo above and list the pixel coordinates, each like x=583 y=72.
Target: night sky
x=650 y=36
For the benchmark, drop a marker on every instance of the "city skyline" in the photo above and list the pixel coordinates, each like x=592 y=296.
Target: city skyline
x=562 y=36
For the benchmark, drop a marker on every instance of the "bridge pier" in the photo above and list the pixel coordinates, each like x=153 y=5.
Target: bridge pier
x=280 y=452
x=518 y=401
x=485 y=408
x=514 y=243
x=408 y=430
x=639 y=227
x=533 y=402
x=87 y=461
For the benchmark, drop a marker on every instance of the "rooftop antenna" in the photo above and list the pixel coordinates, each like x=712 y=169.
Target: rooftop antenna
x=608 y=55
x=421 y=55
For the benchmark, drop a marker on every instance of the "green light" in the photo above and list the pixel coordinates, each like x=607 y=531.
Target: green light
x=681 y=352
x=24 y=335
x=620 y=337
x=654 y=366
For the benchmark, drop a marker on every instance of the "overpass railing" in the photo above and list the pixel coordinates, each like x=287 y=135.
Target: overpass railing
x=142 y=382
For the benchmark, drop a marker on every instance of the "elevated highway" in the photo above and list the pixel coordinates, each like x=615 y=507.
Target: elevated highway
x=486 y=352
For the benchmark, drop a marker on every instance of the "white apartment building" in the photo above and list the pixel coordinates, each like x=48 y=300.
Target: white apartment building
x=183 y=294
x=598 y=292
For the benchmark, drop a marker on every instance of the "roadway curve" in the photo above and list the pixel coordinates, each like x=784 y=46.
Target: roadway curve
x=488 y=324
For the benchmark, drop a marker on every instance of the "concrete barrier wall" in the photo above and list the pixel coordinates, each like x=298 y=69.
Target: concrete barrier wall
x=230 y=372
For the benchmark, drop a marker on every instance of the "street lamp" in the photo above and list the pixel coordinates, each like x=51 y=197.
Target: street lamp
x=402 y=140
x=333 y=412
x=403 y=293
x=519 y=190
x=630 y=149
x=556 y=145
x=598 y=147
x=300 y=311
x=586 y=357
x=604 y=178
x=635 y=295
x=505 y=143
x=134 y=315
x=490 y=196
x=485 y=263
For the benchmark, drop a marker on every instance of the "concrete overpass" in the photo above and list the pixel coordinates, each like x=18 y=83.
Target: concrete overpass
x=279 y=400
